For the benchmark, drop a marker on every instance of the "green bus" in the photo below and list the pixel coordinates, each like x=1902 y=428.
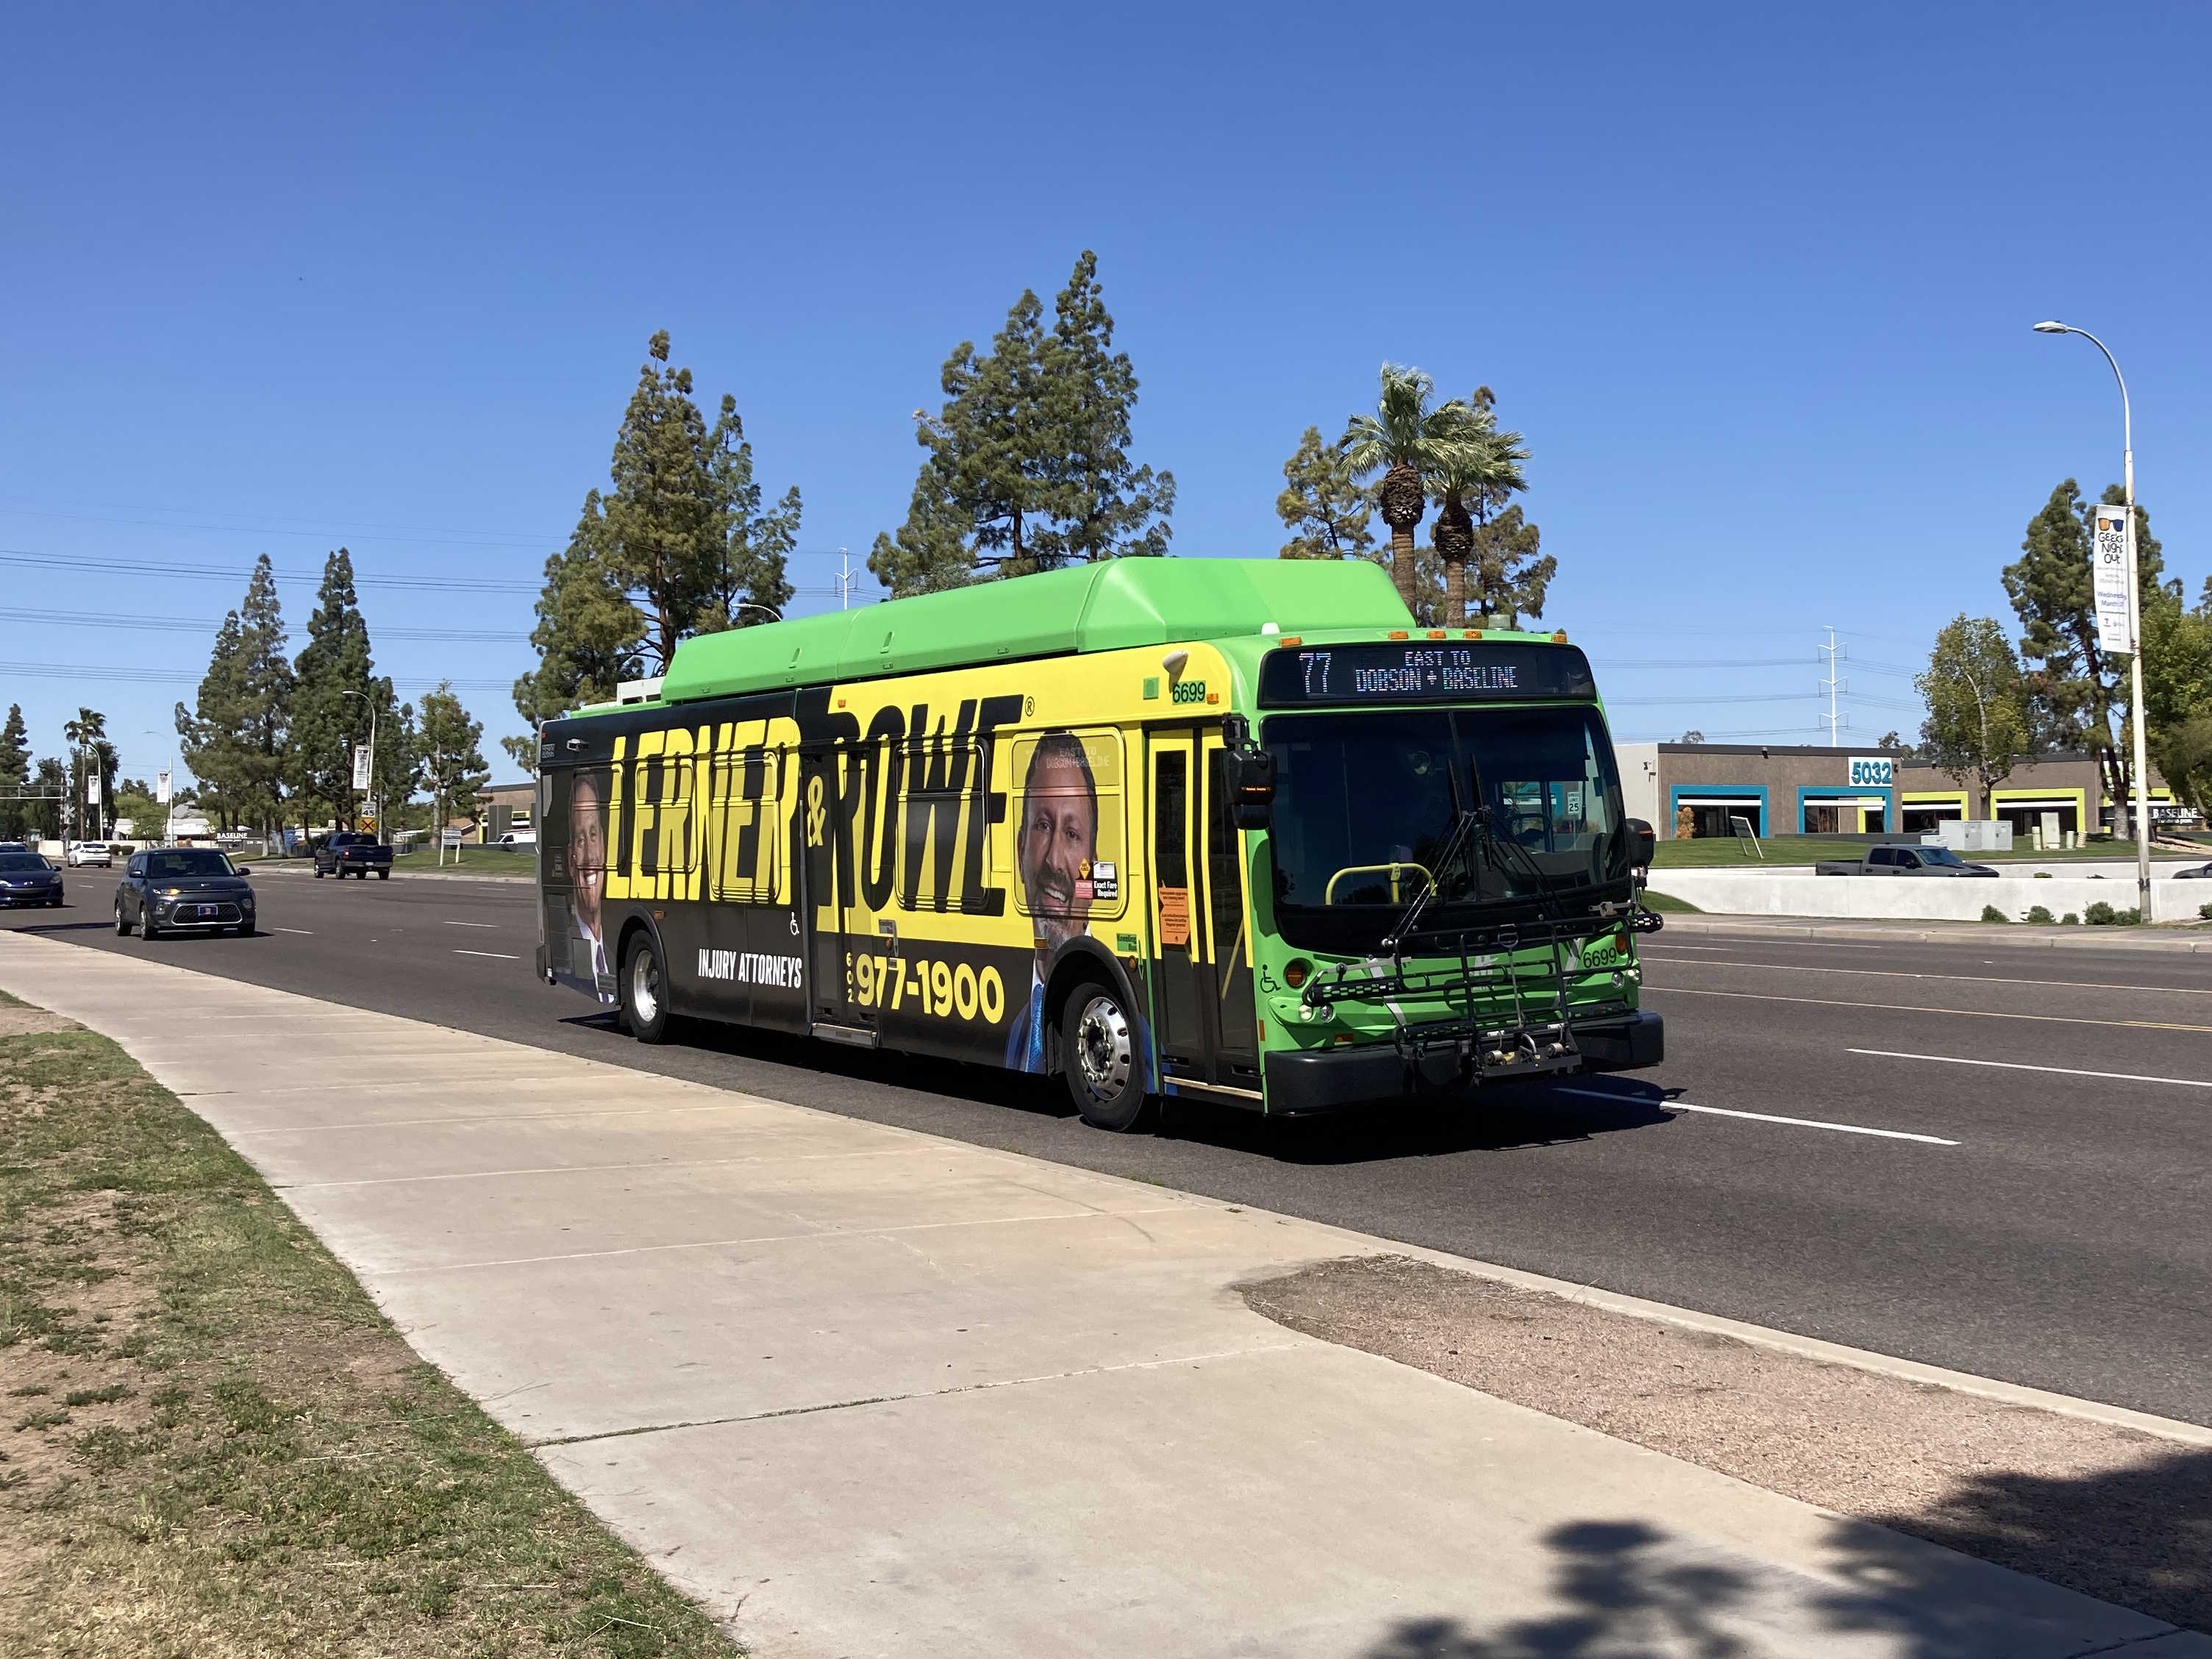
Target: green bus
x=1236 y=830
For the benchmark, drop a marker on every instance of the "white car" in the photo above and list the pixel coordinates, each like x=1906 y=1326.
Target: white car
x=514 y=843
x=84 y=852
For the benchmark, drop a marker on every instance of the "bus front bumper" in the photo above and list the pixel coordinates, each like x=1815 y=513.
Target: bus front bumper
x=1329 y=1079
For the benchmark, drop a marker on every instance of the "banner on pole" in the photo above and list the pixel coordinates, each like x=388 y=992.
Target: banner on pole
x=2108 y=559
x=161 y=788
x=360 y=766
x=92 y=788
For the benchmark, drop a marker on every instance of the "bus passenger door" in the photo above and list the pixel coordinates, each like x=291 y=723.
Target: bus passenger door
x=1228 y=932
x=1178 y=1009
x=1182 y=998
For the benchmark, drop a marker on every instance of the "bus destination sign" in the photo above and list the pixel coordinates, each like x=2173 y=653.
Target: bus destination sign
x=1432 y=672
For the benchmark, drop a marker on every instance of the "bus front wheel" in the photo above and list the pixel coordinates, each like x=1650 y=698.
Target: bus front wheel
x=1099 y=1043
x=644 y=991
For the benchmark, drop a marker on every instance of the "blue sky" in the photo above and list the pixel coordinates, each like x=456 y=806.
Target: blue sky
x=1755 y=282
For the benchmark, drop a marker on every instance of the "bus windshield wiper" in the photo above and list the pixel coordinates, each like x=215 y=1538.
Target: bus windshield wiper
x=1505 y=844
x=1452 y=849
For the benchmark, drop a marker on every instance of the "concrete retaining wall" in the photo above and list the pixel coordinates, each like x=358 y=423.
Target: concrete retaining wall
x=1799 y=893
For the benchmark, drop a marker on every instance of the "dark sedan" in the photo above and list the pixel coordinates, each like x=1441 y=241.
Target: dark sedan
x=27 y=878
x=185 y=889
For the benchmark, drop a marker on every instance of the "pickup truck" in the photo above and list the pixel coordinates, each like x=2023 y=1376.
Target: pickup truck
x=352 y=854
x=1903 y=861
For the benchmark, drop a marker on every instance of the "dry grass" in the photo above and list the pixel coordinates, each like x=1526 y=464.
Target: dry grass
x=212 y=1444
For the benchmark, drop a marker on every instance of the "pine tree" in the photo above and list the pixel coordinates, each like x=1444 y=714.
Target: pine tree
x=209 y=733
x=1103 y=505
x=588 y=634
x=1322 y=506
x=335 y=690
x=263 y=718
x=15 y=776
x=930 y=553
x=1028 y=465
x=748 y=574
x=681 y=545
x=2077 y=695
x=660 y=540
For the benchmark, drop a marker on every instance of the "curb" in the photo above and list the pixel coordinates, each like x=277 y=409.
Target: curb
x=2196 y=942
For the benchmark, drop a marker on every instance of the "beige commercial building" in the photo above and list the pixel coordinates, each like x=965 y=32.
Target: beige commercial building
x=1783 y=789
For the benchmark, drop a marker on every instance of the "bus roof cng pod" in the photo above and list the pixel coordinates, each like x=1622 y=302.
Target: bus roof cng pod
x=1236 y=829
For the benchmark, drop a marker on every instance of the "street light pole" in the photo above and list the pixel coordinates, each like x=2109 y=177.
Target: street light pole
x=169 y=818
x=376 y=798
x=2135 y=624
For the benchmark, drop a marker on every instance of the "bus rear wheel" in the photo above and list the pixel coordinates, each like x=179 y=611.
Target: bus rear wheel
x=644 y=990
x=1098 y=1048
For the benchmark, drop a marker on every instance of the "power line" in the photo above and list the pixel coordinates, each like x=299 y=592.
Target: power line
x=237 y=573
x=111 y=673
x=189 y=625
x=1703 y=662
x=1693 y=696
x=241 y=574
x=338 y=530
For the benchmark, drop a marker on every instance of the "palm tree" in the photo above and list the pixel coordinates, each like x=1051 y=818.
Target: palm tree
x=87 y=728
x=1484 y=470
x=88 y=731
x=1405 y=440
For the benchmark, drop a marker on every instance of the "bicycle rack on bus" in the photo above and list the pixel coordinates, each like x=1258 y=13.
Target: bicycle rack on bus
x=1518 y=1019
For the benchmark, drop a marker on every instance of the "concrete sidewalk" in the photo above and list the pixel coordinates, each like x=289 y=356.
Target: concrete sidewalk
x=866 y=1392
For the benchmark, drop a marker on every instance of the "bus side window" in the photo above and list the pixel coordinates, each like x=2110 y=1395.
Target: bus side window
x=1224 y=867
x=1172 y=866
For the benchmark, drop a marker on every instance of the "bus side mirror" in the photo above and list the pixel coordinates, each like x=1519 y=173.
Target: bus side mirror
x=1249 y=772
x=1642 y=843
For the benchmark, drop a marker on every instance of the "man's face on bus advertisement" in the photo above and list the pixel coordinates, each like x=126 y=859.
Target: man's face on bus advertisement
x=1059 y=837
x=587 y=852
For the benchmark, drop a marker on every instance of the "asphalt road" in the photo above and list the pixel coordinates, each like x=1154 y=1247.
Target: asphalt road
x=2032 y=1203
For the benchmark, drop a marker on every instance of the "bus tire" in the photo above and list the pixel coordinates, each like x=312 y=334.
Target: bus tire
x=1098 y=1045
x=644 y=990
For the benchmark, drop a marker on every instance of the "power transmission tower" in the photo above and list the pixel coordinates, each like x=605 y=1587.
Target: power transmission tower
x=1836 y=723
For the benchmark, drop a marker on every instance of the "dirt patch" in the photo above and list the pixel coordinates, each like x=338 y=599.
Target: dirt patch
x=2108 y=1512
x=17 y=1019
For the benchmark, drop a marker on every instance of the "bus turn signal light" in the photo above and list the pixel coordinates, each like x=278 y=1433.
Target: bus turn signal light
x=1296 y=973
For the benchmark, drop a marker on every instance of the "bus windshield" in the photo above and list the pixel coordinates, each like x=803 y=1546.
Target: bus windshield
x=1365 y=803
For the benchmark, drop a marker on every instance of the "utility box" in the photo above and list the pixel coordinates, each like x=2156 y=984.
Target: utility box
x=1976 y=835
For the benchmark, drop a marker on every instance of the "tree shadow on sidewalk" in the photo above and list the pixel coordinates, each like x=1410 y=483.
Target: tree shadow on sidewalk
x=1628 y=1590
